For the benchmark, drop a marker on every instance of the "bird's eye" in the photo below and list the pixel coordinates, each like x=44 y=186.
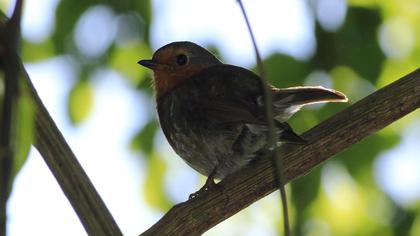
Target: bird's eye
x=181 y=59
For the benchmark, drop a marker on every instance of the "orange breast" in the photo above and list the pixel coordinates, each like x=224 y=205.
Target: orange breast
x=167 y=80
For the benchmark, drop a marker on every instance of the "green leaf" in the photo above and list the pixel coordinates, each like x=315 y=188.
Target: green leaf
x=355 y=44
x=24 y=129
x=403 y=221
x=347 y=81
x=154 y=188
x=145 y=9
x=285 y=71
x=365 y=3
x=80 y=101
x=124 y=60
x=303 y=120
x=144 y=140
x=395 y=69
x=32 y=52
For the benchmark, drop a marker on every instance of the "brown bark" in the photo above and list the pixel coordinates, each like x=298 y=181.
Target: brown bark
x=79 y=190
x=52 y=146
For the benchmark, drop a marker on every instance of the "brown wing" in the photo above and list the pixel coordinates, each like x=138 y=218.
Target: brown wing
x=228 y=94
x=226 y=111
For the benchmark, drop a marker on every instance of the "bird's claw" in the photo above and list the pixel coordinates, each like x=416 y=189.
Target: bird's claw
x=210 y=184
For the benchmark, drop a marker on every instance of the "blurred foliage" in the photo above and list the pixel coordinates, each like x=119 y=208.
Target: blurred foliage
x=145 y=139
x=352 y=45
x=154 y=187
x=21 y=115
x=22 y=132
x=296 y=71
x=131 y=53
x=80 y=101
x=378 y=42
x=38 y=51
x=24 y=128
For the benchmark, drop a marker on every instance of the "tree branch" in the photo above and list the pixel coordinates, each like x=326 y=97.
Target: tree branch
x=330 y=137
x=9 y=41
x=71 y=177
x=51 y=144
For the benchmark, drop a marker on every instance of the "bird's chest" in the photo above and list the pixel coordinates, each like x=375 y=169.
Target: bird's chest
x=187 y=128
x=195 y=138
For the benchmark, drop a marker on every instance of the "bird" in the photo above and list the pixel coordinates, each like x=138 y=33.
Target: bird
x=213 y=114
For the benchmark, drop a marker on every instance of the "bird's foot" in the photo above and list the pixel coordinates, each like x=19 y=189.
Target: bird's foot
x=210 y=184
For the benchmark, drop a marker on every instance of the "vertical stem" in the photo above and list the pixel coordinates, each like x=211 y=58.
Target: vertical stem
x=9 y=42
x=272 y=141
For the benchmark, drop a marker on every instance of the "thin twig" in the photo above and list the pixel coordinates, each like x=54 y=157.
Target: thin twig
x=272 y=141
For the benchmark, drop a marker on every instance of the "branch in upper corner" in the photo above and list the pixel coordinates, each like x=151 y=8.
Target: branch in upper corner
x=330 y=137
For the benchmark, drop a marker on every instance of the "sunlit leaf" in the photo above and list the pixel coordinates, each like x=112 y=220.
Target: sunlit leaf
x=415 y=230
x=124 y=59
x=80 y=101
x=35 y=52
x=24 y=129
x=154 y=188
x=366 y=3
x=395 y=69
x=341 y=203
x=347 y=81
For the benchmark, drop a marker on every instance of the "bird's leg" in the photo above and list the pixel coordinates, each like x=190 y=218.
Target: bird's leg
x=210 y=181
x=210 y=184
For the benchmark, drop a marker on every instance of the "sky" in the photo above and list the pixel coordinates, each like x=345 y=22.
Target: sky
x=38 y=207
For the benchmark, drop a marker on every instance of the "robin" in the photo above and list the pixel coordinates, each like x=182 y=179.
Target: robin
x=213 y=114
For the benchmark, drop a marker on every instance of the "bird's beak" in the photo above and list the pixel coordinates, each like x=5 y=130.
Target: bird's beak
x=148 y=63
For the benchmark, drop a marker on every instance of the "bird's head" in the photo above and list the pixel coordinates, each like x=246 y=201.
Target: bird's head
x=176 y=62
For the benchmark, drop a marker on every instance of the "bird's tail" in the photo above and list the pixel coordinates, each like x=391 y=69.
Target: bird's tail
x=307 y=95
x=287 y=101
